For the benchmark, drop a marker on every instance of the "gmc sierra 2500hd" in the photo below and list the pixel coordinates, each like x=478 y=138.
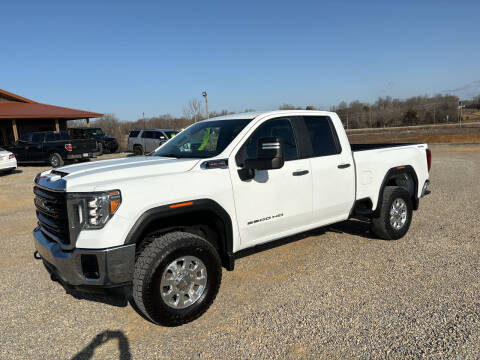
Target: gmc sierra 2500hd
x=162 y=226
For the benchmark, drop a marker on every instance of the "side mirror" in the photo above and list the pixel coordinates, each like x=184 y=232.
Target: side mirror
x=269 y=157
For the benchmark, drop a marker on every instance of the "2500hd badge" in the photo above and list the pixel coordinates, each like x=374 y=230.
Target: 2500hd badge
x=264 y=219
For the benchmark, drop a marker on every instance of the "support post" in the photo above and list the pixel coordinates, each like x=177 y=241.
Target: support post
x=15 y=131
x=57 y=125
x=88 y=122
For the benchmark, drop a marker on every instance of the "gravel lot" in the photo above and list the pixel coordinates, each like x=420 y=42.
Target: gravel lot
x=334 y=293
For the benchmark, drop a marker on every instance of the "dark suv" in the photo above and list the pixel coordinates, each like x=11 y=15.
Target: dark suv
x=52 y=147
x=105 y=143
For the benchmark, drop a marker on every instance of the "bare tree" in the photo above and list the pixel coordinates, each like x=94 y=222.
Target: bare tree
x=193 y=110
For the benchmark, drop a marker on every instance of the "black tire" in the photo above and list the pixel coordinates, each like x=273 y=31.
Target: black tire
x=381 y=224
x=151 y=265
x=55 y=160
x=137 y=150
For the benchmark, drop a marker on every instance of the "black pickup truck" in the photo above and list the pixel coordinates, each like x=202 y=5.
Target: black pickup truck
x=104 y=142
x=52 y=147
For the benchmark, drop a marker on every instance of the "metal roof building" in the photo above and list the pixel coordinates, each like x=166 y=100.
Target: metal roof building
x=19 y=115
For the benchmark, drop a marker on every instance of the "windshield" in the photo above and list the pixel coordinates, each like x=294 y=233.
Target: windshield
x=96 y=132
x=202 y=140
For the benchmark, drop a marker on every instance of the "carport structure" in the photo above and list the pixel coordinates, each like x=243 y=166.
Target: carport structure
x=19 y=115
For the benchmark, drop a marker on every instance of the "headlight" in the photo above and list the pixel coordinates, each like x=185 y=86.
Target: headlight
x=91 y=210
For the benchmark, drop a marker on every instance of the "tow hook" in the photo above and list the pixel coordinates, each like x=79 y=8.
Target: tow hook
x=36 y=255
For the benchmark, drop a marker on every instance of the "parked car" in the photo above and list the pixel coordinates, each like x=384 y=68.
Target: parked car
x=105 y=143
x=161 y=226
x=144 y=141
x=8 y=162
x=52 y=147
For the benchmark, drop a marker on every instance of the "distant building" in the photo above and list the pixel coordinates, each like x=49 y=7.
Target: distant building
x=19 y=115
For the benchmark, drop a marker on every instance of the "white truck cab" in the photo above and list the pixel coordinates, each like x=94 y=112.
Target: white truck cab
x=161 y=226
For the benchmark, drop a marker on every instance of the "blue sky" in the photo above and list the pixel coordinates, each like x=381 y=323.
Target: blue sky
x=129 y=57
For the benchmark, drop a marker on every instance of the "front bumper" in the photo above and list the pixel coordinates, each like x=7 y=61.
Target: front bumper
x=76 y=268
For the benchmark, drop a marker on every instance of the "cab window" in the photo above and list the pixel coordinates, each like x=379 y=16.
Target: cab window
x=148 y=135
x=37 y=138
x=281 y=128
x=25 y=137
x=322 y=135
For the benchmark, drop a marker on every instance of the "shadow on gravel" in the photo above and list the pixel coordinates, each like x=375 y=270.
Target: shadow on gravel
x=354 y=227
x=11 y=172
x=102 y=338
x=110 y=297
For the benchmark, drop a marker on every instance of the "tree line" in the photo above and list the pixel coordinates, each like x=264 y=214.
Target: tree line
x=384 y=112
x=388 y=112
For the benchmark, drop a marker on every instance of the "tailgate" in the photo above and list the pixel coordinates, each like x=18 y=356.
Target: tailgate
x=83 y=146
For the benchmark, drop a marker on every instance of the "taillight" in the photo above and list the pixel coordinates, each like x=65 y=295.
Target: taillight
x=429 y=159
x=11 y=156
x=68 y=147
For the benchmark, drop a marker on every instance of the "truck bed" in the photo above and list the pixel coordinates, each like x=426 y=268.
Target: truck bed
x=363 y=147
x=373 y=161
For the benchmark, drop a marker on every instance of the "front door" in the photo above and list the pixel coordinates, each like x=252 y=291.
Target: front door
x=275 y=203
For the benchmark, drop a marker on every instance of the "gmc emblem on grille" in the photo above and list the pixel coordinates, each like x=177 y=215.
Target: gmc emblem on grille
x=41 y=203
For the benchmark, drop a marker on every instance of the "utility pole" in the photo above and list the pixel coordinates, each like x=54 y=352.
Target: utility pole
x=204 y=94
x=143 y=117
x=460 y=112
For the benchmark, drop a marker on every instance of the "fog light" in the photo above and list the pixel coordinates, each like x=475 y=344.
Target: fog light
x=90 y=266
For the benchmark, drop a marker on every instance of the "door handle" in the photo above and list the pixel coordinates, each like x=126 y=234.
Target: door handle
x=343 y=166
x=300 y=172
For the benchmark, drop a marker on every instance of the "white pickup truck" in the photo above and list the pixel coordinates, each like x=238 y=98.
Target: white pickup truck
x=162 y=226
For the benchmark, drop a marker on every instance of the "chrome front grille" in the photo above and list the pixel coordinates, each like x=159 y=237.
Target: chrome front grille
x=52 y=215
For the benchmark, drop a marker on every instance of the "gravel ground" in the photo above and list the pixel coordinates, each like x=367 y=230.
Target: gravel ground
x=335 y=293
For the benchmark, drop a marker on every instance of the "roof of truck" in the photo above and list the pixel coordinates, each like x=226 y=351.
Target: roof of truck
x=154 y=129
x=252 y=115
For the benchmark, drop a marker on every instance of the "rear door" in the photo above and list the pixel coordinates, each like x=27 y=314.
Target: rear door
x=332 y=170
x=278 y=202
x=147 y=140
x=34 y=150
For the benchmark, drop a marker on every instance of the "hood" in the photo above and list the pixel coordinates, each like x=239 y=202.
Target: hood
x=109 y=138
x=98 y=174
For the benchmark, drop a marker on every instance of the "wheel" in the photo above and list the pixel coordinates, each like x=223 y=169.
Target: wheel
x=138 y=150
x=55 y=160
x=395 y=214
x=176 y=278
